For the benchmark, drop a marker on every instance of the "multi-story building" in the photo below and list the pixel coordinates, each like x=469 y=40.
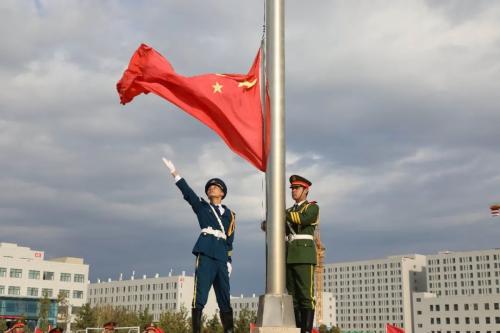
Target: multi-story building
x=468 y=273
x=158 y=294
x=371 y=293
x=463 y=293
x=456 y=314
x=26 y=277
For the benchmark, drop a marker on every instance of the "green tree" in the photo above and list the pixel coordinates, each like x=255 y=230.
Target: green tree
x=175 y=322
x=86 y=317
x=145 y=318
x=335 y=329
x=43 y=313
x=242 y=324
x=62 y=309
x=213 y=325
x=323 y=328
x=3 y=325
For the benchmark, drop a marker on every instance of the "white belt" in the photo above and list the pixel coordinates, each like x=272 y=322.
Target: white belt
x=292 y=237
x=217 y=233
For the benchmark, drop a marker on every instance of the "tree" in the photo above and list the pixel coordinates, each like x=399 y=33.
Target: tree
x=43 y=313
x=144 y=318
x=63 y=308
x=120 y=315
x=213 y=325
x=323 y=328
x=3 y=325
x=175 y=322
x=86 y=317
x=242 y=324
x=335 y=329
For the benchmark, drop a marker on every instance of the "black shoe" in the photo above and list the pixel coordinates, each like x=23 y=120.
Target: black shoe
x=307 y=320
x=296 y=311
x=196 y=319
x=226 y=319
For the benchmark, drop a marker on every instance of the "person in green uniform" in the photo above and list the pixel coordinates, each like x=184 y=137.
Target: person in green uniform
x=301 y=221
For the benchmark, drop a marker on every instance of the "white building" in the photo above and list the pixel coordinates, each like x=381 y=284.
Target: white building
x=249 y=303
x=457 y=314
x=371 y=293
x=463 y=293
x=158 y=294
x=26 y=277
x=472 y=273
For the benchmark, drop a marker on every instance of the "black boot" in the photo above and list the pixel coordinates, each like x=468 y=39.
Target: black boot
x=296 y=311
x=227 y=321
x=307 y=320
x=196 y=320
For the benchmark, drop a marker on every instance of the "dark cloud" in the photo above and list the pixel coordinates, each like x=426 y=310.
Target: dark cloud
x=392 y=112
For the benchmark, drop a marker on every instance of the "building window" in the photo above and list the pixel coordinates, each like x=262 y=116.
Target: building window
x=3 y=272
x=32 y=292
x=79 y=278
x=48 y=276
x=65 y=277
x=34 y=275
x=46 y=292
x=14 y=290
x=2 y=290
x=64 y=293
x=16 y=273
x=77 y=294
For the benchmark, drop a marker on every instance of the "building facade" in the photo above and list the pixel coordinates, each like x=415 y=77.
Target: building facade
x=26 y=277
x=463 y=293
x=158 y=294
x=371 y=293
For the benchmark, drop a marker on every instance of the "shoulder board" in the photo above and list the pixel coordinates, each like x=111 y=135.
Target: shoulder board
x=313 y=202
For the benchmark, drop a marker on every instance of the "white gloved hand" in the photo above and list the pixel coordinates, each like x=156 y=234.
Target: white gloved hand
x=169 y=165
x=229 y=268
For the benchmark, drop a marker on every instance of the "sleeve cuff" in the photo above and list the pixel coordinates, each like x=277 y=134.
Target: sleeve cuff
x=177 y=178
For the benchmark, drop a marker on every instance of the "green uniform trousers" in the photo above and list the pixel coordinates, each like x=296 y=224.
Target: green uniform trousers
x=300 y=284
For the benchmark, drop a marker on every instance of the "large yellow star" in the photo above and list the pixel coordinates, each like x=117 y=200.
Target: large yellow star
x=217 y=88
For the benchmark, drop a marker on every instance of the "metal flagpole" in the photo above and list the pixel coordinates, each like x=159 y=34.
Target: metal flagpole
x=275 y=307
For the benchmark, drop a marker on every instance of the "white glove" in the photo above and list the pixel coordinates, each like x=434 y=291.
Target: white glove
x=169 y=165
x=229 y=268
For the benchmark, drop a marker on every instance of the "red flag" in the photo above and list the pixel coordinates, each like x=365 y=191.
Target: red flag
x=393 y=329
x=495 y=210
x=229 y=104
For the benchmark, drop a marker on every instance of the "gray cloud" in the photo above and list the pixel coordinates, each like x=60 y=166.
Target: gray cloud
x=392 y=112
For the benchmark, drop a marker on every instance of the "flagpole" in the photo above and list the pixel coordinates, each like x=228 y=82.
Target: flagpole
x=275 y=307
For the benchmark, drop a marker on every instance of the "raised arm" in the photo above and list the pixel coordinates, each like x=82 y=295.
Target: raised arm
x=189 y=195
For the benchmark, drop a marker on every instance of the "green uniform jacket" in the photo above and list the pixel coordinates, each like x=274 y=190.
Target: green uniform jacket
x=303 y=220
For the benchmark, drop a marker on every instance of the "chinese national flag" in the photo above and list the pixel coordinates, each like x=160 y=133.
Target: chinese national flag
x=229 y=104
x=393 y=329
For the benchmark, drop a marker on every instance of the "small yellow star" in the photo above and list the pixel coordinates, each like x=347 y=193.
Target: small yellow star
x=217 y=88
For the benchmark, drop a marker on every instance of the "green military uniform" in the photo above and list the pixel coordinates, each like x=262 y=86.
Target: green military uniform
x=301 y=221
x=301 y=253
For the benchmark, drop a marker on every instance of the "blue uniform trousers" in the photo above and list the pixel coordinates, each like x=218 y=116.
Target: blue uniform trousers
x=211 y=272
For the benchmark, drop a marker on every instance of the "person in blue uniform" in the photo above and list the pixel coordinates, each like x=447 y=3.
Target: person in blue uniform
x=213 y=248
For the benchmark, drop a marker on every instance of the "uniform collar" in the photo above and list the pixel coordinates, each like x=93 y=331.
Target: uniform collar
x=300 y=203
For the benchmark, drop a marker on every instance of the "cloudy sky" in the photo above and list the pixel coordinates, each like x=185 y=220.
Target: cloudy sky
x=392 y=111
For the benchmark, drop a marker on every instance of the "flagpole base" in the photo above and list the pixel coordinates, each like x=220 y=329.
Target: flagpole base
x=275 y=314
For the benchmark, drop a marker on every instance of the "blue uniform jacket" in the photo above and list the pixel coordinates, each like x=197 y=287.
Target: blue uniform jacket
x=207 y=244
